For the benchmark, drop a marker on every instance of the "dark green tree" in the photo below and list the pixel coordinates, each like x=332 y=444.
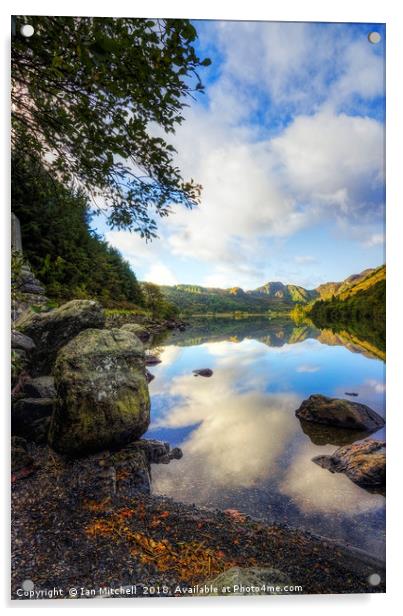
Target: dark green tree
x=68 y=257
x=86 y=92
x=156 y=303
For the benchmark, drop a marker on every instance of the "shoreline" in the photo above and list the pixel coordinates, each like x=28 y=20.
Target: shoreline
x=69 y=531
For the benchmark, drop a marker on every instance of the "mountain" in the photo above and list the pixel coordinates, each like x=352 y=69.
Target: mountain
x=272 y=296
x=326 y=290
x=194 y=299
x=287 y=292
x=357 y=305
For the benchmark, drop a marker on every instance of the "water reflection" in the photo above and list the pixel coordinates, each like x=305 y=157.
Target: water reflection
x=243 y=446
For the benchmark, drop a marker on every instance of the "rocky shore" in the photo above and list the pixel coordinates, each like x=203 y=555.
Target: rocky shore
x=85 y=524
x=82 y=511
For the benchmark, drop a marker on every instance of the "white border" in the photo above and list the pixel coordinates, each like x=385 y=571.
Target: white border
x=380 y=11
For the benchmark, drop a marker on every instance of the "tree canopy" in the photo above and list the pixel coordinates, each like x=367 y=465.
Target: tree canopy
x=87 y=94
x=69 y=258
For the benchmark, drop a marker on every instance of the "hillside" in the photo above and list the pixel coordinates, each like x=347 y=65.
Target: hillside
x=200 y=300
x=359 y=305
x=272 y=296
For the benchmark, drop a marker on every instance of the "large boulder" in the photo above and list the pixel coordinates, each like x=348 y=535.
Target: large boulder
x=339 y=413
x=364 y=462
x=52 y=330
x=102 y=392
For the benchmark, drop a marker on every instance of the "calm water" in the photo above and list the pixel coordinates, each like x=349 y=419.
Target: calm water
x=243 y=446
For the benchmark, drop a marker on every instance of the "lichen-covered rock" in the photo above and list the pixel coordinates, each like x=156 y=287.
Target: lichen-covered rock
x=52 y=330
x=339 y=413
x=102 y=392
x=247 y=581
x=364 y=462
x=141 y=332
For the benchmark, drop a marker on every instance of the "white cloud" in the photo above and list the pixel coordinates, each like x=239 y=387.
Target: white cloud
x=334 y=162
x=258 y=184
x=160 y=274
x=375 y=239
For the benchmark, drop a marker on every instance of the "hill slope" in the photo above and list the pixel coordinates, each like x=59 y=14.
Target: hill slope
x=272 y=296
x=359 y=305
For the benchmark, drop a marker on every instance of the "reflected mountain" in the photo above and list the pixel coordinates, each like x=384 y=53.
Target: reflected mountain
x=272 y=332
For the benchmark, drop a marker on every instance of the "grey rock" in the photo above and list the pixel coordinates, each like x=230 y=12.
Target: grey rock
x=364 y=462
x=52 y=330
x=20 y=341
x=207 y=372
x=135 y=328
x=157 y=452
x=152 y=360
x=339 y=413
x=40 y=387
x=102 y=392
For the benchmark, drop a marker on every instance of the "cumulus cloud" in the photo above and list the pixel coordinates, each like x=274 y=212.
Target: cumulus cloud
x=315 y=489
x=161 y=274
x=275 y=149
x=324 y=166
x=239 y=435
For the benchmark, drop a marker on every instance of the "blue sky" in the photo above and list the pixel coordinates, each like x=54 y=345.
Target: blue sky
x=288 y=143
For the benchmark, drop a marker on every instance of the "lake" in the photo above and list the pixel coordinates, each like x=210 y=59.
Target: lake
x=243 y=446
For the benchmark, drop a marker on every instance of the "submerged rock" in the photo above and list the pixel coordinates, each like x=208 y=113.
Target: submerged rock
x=203 y=372
x=339 y=413
x=135 y=328
x=52 y=330
x=364 y=463
x=102 y=392
x=248 y=581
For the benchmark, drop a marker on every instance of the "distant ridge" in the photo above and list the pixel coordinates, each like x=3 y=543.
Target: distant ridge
x=273 y=295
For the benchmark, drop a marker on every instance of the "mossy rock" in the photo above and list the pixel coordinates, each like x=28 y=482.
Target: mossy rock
x=52 y=330
x=102 y=392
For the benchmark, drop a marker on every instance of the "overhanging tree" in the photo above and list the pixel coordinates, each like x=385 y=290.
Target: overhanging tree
x=86 y=93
